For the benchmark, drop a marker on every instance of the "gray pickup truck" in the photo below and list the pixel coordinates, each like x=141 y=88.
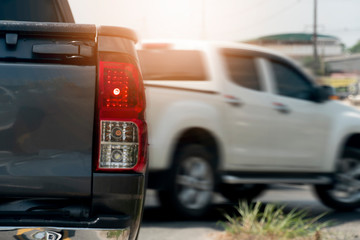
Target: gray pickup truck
x=73 y=137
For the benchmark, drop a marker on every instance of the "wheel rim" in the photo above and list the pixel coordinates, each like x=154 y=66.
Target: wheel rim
x=347 y=186
x=195 y=182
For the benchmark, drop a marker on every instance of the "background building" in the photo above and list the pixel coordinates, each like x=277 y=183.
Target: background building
x=342 y=71
x=300 y=45
x=343 y=64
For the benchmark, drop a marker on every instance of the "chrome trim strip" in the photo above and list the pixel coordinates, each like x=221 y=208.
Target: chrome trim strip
x=120 y=143
x=55 y=233
x=243 y=180
x=180 y=88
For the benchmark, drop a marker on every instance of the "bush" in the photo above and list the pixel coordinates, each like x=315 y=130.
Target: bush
x=256 y=221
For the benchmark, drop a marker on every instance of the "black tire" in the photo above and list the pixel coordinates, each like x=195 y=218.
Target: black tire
x=242 y=192
x=191 y=183
x=344 y=194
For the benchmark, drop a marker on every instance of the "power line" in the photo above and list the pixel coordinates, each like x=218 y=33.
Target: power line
x=273 y=16
x=266 y=18
x=249 y=9
x=343 y=30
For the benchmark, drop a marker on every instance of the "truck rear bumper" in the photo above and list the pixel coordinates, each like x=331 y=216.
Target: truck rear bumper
x=115 y=213
x=52 y=233
x=119 y=194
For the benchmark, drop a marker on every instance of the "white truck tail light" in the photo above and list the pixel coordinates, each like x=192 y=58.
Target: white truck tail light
x=122 y=128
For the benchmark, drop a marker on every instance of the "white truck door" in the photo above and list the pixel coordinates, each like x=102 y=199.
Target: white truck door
x=302 y=125
x=249 y=114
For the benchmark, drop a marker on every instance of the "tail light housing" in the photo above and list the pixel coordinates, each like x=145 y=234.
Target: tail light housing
x=122 y=128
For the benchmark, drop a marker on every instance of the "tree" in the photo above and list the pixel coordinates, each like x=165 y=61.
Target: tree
x=308 y=62
x=355 y=48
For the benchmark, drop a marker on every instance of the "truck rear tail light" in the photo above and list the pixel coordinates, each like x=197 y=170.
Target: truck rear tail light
x=121 y=105
x=119 y=144
x=119 y=86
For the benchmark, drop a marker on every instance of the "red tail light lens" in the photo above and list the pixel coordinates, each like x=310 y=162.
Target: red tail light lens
x=120 y=87
x=123 y=135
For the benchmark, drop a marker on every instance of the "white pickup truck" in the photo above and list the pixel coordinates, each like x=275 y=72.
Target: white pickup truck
x=231 y=118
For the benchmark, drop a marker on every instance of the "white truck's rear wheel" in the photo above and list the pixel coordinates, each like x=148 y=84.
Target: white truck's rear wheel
x=191 y=182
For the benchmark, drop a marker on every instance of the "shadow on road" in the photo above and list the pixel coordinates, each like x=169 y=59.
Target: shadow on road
x=159 y=223
x=216 y=213
x=155 y=215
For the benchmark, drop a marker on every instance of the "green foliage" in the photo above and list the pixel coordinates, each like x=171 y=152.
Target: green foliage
x=309 y=61
x=355 y=48
x=115 y=234
x=271 y=222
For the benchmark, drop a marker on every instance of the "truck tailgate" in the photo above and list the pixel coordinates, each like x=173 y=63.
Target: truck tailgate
x=47 y=97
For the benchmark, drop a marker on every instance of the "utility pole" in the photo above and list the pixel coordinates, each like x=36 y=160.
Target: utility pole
x=315 y=54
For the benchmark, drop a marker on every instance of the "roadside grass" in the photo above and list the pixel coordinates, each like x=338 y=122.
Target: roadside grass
x=116 y=234
x=270 y=222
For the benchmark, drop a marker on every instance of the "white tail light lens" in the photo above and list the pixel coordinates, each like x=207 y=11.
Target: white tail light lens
x=119 y=145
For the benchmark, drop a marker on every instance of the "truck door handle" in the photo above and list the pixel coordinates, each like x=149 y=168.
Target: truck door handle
x=73 y=49
x=282 y=108
x=234 y=101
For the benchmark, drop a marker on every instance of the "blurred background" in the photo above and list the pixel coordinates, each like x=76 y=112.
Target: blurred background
x=287 y=26
x=323 y=36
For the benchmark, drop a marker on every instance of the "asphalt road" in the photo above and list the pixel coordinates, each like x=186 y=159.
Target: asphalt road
x=160 y=225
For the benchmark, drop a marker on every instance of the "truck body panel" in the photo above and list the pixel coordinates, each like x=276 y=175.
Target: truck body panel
x=50 y=126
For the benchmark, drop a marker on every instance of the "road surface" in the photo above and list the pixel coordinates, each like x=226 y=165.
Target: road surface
x=160 y=225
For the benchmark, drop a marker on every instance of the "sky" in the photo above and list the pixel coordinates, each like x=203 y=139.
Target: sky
x=229 y=20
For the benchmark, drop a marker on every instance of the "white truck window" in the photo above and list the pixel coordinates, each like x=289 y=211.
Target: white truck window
x=290 y=82
x=242 y=70
x=28 y=10
x=179 y=65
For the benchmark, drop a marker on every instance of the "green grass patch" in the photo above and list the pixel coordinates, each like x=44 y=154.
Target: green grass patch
x=270 y=221
x=116 y=234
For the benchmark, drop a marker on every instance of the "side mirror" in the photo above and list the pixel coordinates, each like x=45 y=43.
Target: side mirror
x=324 y=93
